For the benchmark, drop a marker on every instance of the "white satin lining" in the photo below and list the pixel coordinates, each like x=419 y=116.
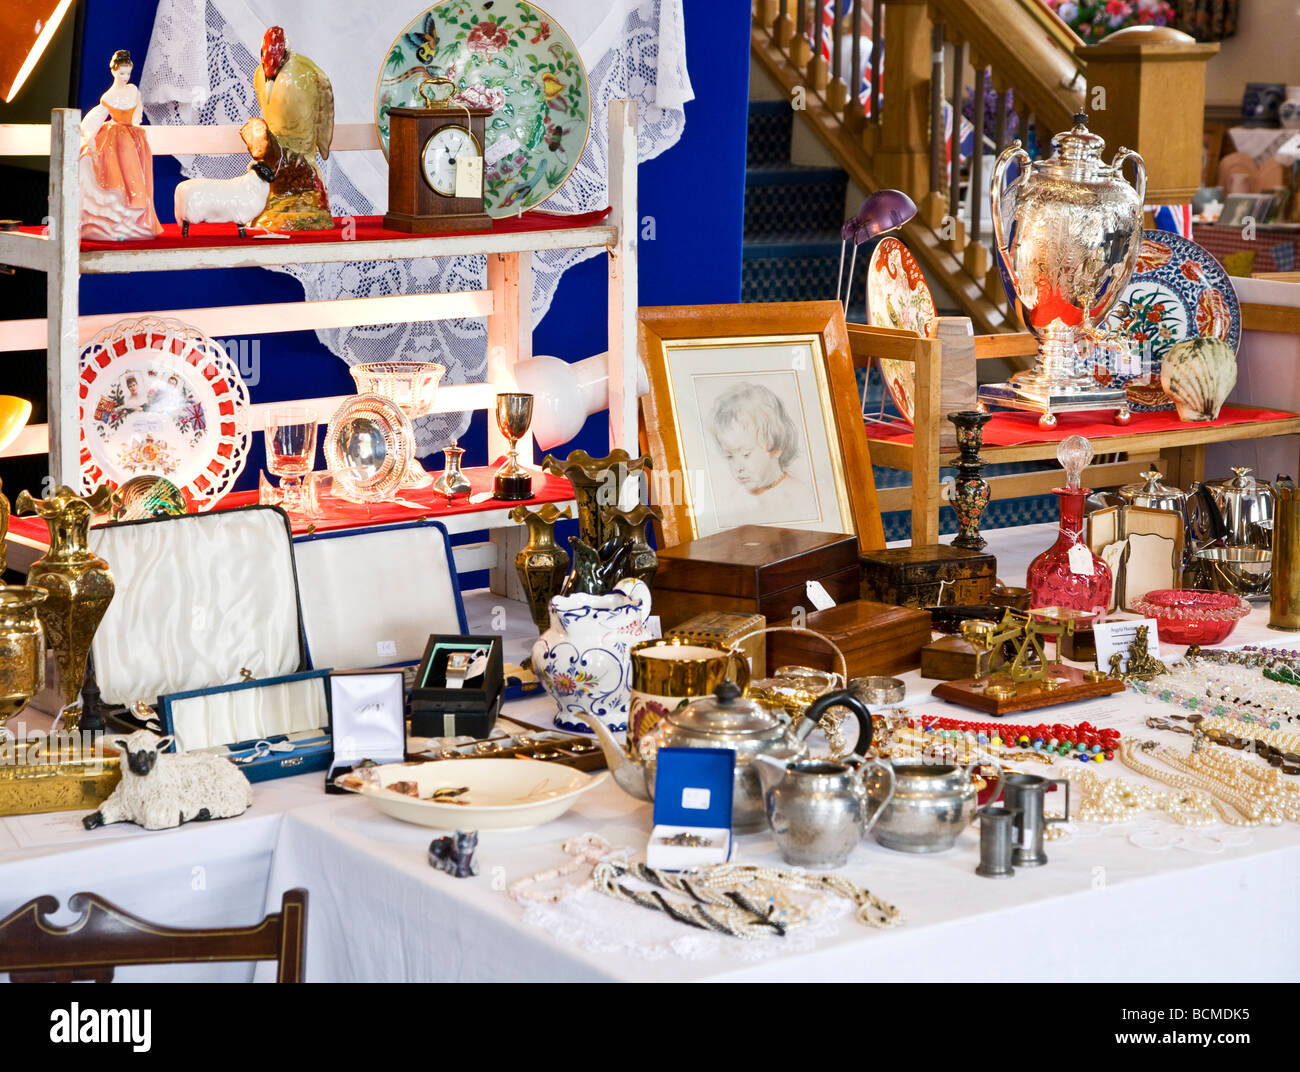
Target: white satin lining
x=198 y=600
x=374 y=598
x=273 y=710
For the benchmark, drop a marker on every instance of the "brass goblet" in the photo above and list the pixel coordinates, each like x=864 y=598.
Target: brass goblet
x=514 y=415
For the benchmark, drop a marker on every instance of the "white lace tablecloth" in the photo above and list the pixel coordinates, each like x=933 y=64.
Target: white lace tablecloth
x=200 y=70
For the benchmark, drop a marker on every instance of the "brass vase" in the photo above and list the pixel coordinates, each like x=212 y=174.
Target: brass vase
x=643 y=562
x=596 y=485
x=77 y=583
x=543 y=563
x=22 y=649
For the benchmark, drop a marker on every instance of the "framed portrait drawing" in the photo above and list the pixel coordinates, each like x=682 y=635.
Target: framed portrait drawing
x=753 y=417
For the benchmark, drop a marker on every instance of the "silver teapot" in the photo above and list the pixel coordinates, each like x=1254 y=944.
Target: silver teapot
x=726 y=719
x=819 y=809
x=931 y=804
x=1068 y=250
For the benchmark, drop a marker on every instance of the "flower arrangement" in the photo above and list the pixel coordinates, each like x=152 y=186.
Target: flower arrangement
x=1094 y=19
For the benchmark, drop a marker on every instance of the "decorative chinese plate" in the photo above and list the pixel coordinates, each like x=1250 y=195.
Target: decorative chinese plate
x=160 y=399
x=897 y=297
x=1178 y=291
x=476 y=794
x=511 y=57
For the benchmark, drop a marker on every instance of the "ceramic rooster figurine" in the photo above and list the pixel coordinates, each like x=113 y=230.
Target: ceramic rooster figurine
x=297 y=102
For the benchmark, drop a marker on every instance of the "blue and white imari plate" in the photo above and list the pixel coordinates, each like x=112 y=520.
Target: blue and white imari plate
x=1178 y=291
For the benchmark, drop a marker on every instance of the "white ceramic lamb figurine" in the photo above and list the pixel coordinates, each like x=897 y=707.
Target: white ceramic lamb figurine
x=161 y=790
x=239 y=201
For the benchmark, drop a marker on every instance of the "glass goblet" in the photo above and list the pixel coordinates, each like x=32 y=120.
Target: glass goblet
x=291 y=449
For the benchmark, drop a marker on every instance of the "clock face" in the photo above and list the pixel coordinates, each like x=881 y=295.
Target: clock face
x=438 y=158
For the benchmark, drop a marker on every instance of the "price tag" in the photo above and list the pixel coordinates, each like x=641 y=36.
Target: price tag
x=818 y=596
x=386 y=649
x=499 y=148
x=1128 y=360
x=1114 y=637
x=695 y=798
x=1081 y=561
x=469 y=176
x=653 y=627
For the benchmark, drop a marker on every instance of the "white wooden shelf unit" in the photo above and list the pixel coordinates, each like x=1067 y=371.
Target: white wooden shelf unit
x=505 y=303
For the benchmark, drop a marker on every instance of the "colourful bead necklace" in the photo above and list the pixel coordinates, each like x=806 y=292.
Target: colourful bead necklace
x=1084 y=741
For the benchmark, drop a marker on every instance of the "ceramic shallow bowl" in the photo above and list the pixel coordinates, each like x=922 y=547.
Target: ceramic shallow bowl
x=1191 y=616
x=502 y=794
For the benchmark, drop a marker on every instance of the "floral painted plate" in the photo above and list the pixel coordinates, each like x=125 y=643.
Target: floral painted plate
x=510 y=56
x=160 y=399
x=1178 y=291
x=897 y=297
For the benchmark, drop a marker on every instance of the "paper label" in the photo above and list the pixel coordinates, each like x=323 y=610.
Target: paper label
x=1114 y=637
x=653 y=628
x=818 y=596
x=695 y=798
x=386 y=649
x=1081 y=560
x=1128 y=360
x=499 y=148
x=469 y=176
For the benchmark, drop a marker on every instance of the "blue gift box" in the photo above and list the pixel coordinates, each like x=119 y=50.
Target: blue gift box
x=693 y=796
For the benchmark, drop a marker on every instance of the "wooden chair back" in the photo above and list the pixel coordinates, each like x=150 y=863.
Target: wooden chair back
x=34 y=950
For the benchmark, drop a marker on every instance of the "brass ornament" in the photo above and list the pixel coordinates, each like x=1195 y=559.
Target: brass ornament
x=542 y=564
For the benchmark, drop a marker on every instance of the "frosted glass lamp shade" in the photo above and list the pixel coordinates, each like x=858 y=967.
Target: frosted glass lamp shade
x=566 y=393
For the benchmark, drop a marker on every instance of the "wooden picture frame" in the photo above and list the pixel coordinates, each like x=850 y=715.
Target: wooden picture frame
x=703 y=490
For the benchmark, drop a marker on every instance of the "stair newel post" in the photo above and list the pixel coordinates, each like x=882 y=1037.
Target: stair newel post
x=837 y=91
x=854 y=120
x=784 y=29
x=954 y=179
x=900 y=150
x=976 y=257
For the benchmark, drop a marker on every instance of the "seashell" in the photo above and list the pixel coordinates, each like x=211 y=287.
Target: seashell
x=1199 y=374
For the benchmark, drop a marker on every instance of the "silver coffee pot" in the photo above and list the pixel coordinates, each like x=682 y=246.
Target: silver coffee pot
x=1068 y=230
x=932 y=804
x=819 y=809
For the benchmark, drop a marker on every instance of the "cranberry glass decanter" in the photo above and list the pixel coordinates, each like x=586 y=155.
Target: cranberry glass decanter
x=1068 y=574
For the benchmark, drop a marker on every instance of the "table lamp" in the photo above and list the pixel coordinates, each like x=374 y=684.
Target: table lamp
x=26 y=29
x=880 y=213
x=566 y=393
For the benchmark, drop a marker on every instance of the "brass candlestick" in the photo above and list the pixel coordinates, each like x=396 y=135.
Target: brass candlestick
x=514 y=415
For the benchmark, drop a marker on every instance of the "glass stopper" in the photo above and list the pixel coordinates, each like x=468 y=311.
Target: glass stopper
x=1074 y=454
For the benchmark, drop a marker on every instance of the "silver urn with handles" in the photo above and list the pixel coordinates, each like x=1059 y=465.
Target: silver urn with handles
x=819 y=809
x=1068 y=230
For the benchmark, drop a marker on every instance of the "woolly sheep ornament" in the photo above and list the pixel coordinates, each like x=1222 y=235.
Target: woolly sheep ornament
x=161 y=790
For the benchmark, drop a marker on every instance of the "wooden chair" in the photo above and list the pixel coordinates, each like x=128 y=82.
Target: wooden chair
x=34 y=950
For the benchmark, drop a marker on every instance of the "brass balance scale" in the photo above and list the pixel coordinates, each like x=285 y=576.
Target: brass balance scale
x=1030 y=679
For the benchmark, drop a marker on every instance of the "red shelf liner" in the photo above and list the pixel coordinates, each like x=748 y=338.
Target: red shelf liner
x=1016 y=428
x=354 y=515
x=368 y=229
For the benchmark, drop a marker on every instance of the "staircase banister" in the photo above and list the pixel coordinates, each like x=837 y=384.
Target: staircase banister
x=1023 y=54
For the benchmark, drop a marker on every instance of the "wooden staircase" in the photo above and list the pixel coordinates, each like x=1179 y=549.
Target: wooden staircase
x=1142 y=88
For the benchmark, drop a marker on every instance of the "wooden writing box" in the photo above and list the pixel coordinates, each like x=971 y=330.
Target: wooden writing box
x=876 y=638
x=911 y=576
x=754 y=569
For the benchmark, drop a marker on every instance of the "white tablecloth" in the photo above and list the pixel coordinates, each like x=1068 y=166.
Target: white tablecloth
x=1104 y=908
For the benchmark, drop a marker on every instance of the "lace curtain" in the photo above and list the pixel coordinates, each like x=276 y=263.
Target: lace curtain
x=199 y=69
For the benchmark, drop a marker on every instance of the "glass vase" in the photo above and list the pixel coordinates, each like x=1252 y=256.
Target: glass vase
x=1068 y=574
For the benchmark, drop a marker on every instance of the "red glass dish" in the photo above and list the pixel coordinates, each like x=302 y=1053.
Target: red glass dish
x=1192 y=616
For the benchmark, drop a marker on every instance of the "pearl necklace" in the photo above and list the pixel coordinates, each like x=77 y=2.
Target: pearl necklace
x=1257 y=794
x=1226 y=691
x=741 y=900
x=1282 y=740
x=588 y=850
x=1113 y=800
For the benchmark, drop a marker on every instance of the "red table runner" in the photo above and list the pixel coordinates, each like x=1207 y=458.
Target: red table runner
x=356 y=229
x=1010 y=428
x=344 y=515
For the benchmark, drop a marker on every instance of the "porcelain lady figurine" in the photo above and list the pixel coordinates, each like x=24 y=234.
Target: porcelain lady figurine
x=583 y=659
x=116 y=165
